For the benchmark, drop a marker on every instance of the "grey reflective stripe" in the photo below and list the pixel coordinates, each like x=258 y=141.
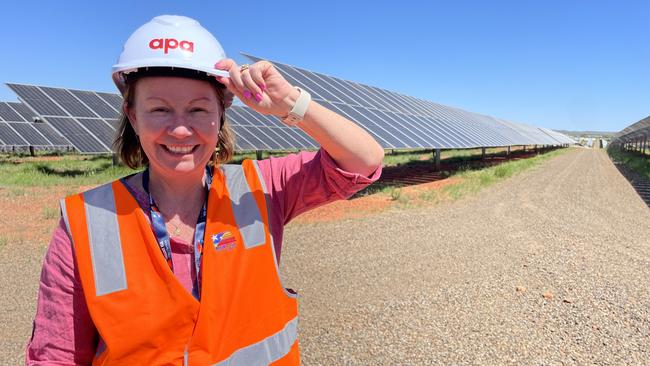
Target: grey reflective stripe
x=266 y=351
x=260 y=177
x=244 y=206
x=104 y=240
x=64 y=215
x=268 y=213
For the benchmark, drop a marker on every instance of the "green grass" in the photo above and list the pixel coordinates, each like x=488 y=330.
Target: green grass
x=397 y=158
x=632 y=161
x=74 y=170
x=424 y=158
x=3 y=241
x=17 y=172
x=472 y=181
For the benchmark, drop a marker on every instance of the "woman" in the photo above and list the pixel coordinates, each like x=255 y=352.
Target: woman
x=178 y=264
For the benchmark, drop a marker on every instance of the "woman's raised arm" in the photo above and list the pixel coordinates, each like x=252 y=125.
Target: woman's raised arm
x=261 y=87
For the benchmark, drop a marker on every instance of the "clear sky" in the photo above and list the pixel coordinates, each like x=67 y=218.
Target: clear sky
x=577 y=65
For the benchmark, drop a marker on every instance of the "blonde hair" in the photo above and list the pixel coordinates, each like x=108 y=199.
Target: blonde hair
x=127 y=145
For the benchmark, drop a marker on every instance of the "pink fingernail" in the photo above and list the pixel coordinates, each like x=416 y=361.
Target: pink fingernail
x=258 y=97
x=263 y=87
x=248 y=94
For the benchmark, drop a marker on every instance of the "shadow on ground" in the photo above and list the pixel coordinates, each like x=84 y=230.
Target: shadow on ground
x=640 y=184
x=46 y=169
x=423 y=171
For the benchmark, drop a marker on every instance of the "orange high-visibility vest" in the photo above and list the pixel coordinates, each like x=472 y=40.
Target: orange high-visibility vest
x=143 y=314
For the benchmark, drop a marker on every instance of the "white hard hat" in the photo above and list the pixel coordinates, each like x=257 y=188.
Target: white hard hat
x=169 y=41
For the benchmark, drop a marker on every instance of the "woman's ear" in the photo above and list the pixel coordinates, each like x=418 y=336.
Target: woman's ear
x=129 y=112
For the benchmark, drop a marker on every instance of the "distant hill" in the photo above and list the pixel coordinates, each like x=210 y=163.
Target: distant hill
x=605 y=134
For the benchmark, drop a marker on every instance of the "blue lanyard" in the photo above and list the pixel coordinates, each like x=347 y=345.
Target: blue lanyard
x=162 y=236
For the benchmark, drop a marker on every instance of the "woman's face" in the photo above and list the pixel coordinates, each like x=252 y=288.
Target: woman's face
x=177 y=121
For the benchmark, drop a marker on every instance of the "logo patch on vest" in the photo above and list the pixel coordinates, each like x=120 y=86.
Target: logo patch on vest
x=224 y=241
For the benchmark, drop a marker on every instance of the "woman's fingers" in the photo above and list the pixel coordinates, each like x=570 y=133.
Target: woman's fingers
x=253 y=88
x=247 y=83
x=234 y=83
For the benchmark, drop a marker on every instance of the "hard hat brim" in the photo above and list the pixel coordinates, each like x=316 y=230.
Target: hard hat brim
x=120 y=70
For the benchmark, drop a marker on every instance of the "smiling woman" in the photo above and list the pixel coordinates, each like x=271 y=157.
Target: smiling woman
x=179 y=263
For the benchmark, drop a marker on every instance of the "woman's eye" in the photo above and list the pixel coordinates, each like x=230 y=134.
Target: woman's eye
x=159 y=110
x=195 y=110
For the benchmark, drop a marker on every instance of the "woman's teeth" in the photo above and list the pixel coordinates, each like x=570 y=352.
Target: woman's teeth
x=180 y=149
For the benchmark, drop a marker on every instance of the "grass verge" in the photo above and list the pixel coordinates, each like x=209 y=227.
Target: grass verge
x=472 y=181
x=70 y=170
x=632 y=161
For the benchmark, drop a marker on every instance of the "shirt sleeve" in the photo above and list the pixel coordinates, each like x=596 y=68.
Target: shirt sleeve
x=63 y=332
x=303 y=181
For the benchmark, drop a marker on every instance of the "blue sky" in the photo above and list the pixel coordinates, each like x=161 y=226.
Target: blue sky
x=579 y=65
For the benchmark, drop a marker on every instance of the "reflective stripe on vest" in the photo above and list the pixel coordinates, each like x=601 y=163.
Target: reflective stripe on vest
x=104 y=240
x=266 y=351
x=247 y=214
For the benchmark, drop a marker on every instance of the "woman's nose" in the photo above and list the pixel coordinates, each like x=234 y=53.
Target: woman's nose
x=180 y=126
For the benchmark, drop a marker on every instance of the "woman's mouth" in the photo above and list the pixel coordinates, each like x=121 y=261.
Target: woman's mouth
x=180 y=149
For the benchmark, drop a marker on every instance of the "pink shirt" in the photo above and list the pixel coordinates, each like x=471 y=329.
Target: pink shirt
x=64 y=333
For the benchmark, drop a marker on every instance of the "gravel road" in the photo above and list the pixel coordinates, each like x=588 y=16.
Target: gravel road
x=548 y=267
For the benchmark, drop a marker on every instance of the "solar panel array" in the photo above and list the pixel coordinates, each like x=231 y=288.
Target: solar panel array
x=402 y=121
x=18 y=129
x=88 y=120
x=83 y=117
x=637 y=132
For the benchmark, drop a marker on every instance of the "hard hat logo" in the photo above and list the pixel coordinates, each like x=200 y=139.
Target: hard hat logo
x=170 y=44
x=169 y=41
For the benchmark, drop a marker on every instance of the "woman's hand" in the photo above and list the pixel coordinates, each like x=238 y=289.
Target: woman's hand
x=261 y=87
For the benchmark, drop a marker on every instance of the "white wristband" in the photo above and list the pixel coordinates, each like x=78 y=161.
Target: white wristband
x=299 y=109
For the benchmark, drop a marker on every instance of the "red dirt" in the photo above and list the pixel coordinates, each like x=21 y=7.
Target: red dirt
x=369 y=205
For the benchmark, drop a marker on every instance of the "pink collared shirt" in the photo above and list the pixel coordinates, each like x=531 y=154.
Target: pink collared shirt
x=64 y=333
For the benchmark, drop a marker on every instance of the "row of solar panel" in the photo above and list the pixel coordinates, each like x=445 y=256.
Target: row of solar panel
x=634 y=132
x=30 y=134
x=479 y=130
x=88 y=119
x=256 y=131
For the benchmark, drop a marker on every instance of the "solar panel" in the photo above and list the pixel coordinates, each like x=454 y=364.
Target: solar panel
x=100 y=129
x=68 y=102
x=51 y=135
x=9 y=137
x=242 y=140
x=114 y=122
x=29 y=133
x=77 y=135
x=114 y=100
x=25 y=112
x=8 y=114
x=35 y=98
x=97 y=104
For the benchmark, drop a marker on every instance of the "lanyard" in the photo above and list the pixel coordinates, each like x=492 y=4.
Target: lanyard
x=162 y=236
